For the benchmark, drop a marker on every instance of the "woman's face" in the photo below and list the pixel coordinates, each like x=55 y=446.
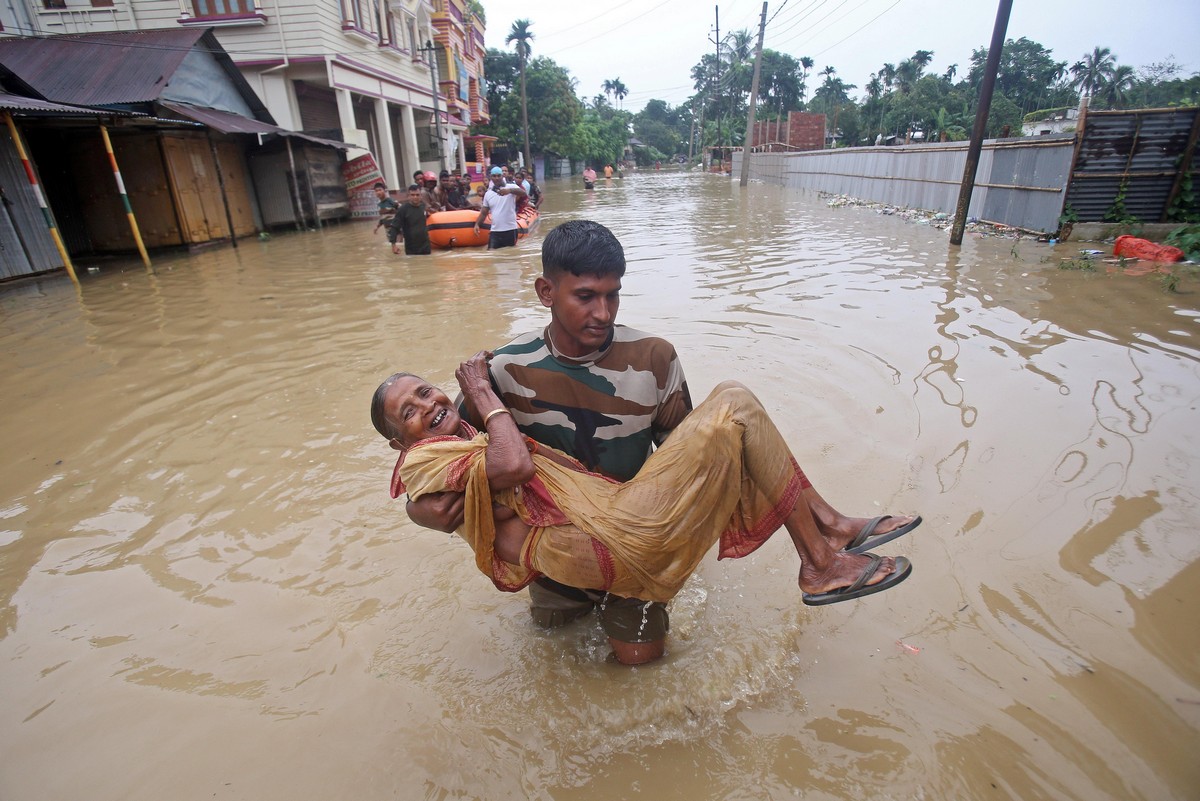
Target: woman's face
x=418 y=410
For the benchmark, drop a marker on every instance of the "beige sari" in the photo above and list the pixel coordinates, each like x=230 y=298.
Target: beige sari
x=724 y=475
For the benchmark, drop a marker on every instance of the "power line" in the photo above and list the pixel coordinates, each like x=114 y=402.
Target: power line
x=868 y=22
x=818 y=28
x=795 y=21
x=585 y=22
x=610 y=30
x=776 y=14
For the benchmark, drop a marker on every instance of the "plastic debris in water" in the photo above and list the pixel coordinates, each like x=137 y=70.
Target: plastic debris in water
x=911 y=649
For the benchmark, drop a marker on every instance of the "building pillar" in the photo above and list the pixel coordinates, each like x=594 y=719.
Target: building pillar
x=461 y=161
x=408 y=143
x=387 y=148
x=345 y=105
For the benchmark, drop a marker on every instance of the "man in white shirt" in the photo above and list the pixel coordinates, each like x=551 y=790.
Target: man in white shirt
x=501 y=201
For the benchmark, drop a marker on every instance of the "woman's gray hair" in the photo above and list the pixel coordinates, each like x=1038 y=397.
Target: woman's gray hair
x=378 y=416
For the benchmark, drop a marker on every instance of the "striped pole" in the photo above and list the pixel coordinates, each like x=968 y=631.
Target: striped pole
x=37 y=192
x=133 y=226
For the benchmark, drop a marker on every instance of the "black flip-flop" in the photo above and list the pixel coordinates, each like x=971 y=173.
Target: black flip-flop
x=860 y=587
x=867 y=539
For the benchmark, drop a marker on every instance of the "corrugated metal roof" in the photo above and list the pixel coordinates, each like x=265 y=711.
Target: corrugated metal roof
x=31 y=105
x=100 y=69
x=223 y=121
x=230 y=123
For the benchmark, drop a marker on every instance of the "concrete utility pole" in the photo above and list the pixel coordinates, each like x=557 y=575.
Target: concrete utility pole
x=981 y=115
x=762 y=29
x=692 y=137
x=717 y=88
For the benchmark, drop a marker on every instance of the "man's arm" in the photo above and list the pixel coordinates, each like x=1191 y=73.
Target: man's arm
x=483 y=213
x=440 y=511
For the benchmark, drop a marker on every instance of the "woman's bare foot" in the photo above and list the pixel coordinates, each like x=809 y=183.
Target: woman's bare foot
x=843 y=571
x=839 y=531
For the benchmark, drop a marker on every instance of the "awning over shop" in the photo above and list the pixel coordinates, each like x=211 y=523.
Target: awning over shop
x=31 y=105
x=229 y=123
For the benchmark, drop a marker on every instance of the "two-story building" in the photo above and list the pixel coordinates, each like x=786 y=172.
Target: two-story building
x=358 y=71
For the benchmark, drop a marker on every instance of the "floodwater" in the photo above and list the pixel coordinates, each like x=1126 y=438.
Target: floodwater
x=205 y=591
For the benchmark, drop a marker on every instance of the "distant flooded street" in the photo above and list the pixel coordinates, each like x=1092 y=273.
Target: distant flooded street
x=206 y=592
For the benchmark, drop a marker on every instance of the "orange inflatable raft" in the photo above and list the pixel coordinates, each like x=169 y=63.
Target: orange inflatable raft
x=455 y=229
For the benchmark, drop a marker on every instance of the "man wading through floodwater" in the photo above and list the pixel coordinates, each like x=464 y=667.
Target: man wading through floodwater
x=606 y=395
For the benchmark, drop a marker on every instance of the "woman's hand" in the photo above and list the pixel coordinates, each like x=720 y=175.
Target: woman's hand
x=473 y=378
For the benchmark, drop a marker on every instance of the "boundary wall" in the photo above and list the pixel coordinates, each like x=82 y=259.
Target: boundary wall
x=1020 y=182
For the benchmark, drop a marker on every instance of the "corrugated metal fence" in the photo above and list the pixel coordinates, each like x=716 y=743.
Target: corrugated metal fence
x=25 y=243
x=1142 y=157
x=1020 y=182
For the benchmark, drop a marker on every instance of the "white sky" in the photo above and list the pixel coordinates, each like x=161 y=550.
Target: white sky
x=651 y=45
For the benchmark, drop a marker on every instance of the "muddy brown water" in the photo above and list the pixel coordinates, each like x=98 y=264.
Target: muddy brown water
x=205 y=591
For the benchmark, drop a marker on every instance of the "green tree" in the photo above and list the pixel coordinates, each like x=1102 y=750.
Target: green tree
x=1093 y=70
x=599 y=136
x=807 y=64
x=522 y=37
x=1027 y=75
x=620 y=91
x=1119 y=87
x=663 y=128
x=552 y=107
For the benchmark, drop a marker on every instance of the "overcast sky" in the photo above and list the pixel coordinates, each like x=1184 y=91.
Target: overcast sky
x=651 y=45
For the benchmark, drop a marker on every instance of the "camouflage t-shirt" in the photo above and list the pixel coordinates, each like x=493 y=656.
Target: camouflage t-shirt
x=607 y=409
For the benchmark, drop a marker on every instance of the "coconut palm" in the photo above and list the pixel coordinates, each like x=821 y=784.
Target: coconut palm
x=1093 y=70
x=522 y=36
x=807 y=63
x=741 y=46
x=950 y=72
x=1116 y=89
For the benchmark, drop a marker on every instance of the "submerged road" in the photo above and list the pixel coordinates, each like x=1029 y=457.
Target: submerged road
x=205 y=591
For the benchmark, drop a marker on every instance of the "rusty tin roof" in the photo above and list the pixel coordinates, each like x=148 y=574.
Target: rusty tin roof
x=107 y=68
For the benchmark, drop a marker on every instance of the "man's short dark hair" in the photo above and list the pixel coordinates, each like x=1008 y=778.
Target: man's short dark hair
x=380 y=185
x=445 y=174
x=414 y=188
x=582 y=247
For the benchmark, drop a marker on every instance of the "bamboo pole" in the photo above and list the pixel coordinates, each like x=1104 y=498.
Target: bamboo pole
x=133 y=226
x=37 y=192
x=212 y=147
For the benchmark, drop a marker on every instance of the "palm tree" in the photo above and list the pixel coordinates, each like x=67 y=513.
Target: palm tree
x=619 y=90
x=521 y=34
x=950 y=72
x=906 y=75
x=888 y=75
x=922 y=58
x=1093 y=70
x=874 y=87
x=807 y=63
x=1118 y=86
x=607 y=86
x=741 y=46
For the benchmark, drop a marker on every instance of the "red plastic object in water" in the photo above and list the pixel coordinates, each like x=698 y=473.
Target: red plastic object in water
x=1132 y=247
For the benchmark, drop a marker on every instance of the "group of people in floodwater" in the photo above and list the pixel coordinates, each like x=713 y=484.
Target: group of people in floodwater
x=574 y=464
x=589 y=175
x=429 y=194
